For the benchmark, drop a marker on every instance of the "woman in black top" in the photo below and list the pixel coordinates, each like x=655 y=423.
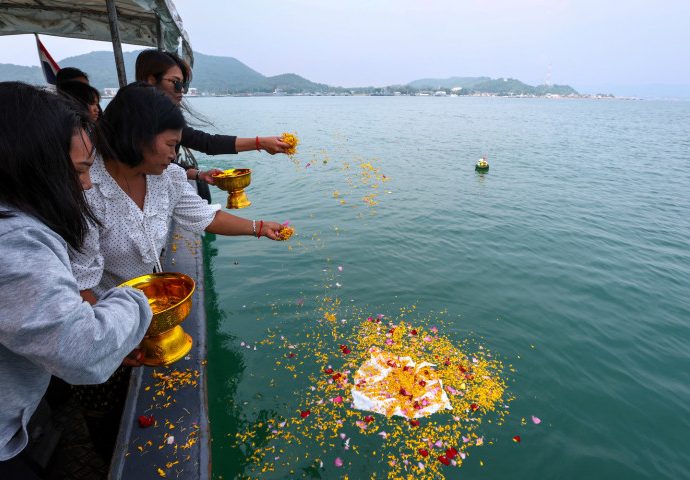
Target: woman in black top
x=172 y=75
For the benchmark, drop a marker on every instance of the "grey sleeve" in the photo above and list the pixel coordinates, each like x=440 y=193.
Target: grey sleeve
x=45 y=320
x=87 y=263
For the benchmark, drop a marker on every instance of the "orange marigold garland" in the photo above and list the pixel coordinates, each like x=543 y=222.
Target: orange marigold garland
x=426 y=372
x=292 y=140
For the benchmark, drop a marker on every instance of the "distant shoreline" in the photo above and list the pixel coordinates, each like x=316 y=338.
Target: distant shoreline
x=485 y=95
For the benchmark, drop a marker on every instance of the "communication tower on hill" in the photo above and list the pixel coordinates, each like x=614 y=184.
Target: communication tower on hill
x=548 y=82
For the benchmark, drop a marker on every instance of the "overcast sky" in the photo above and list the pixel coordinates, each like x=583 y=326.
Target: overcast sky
x=382 y=42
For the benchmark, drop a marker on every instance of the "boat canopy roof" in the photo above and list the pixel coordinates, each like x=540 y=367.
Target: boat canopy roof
x=153 y=23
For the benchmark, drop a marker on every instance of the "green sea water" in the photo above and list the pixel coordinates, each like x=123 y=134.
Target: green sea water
x=569 y=260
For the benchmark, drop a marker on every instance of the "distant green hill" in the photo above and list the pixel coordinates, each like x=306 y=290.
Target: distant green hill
x=500 y=86
x=227 y=75
x=10 y=72
x=555 y=90
x=211 y=74
x=452 y=82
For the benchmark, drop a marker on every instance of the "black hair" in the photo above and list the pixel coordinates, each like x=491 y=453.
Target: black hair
x=132 y=120
x=38 y=176
x=69 y=74
x=80 y=91
x=157 y=62
x=83 y=93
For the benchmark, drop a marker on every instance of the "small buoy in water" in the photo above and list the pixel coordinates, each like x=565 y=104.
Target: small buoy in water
x=482 y=165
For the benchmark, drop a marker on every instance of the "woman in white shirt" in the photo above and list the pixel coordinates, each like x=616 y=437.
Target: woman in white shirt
x=135 y=197
x=137 y=194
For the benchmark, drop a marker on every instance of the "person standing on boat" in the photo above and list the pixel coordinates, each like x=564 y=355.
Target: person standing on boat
x=172 y=75
x=135 y=198
x=45 y=326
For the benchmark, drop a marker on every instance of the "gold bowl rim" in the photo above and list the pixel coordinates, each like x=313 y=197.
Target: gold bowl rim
x=245 y=171
x=135 y=280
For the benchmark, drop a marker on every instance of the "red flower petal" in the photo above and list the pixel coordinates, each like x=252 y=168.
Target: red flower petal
x=516 y=438
x=423 y=452
x=474 y=406
x=451 y=453
x=414 y=332
x=462 y=369
x=368 y=419
x=444 y=460
x=346 y=350
x=304 y=413
x=414 y=422
x=292 y=355
x=422 y=383
x=328 y=371
x=447 y=362
x=146 y=421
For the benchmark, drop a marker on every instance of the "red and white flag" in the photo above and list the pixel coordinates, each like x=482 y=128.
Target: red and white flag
x=48 y=65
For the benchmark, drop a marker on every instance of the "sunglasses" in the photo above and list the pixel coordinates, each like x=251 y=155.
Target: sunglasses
x=178 y=85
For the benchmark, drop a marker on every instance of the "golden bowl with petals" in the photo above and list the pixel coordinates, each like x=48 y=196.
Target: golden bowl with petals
x=170 y=298
x=234 y=181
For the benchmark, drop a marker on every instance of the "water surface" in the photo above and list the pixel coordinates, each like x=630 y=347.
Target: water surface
x=569 y=260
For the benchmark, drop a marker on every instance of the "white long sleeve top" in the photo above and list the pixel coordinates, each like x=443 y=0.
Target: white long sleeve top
x=129 y=240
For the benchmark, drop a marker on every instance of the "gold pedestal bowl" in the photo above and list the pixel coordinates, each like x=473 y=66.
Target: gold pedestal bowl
x=170 y=298
x=234 y=181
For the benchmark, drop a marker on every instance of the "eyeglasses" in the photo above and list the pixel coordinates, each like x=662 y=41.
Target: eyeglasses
x=178 y=85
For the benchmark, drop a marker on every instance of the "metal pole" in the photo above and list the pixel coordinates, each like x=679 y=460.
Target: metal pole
x=117 y=46
x=159 y=34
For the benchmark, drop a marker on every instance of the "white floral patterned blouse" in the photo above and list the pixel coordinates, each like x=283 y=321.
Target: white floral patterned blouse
x=129 y=240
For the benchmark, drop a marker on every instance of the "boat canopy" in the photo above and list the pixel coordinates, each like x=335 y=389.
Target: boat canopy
x=153 y=23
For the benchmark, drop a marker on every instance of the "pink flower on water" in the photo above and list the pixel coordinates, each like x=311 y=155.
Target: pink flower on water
x=338 y=462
